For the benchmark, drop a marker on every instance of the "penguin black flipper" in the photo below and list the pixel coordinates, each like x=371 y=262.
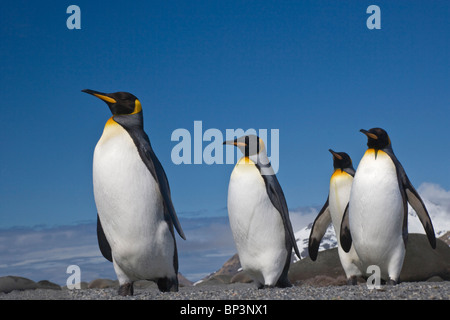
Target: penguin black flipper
x=131 y=123
x=278 y=200
x=165 y=192
x=103 y=244
x=418 y=205
x=350 y=171
x=318 y=229
x=345 y=236
x=412 y=196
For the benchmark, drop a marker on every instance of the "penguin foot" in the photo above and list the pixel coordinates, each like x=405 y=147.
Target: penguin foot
x=126 y=289
x=168 y=284
x=352 y=281
x=268 y=286
x=391 y=282
x=283 y=284
x=264 y=286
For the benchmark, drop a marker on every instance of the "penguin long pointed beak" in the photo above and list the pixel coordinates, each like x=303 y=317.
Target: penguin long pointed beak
x=336 y=155
x=235 y=143
x=230 y=142
x=103 y=96
x=369 y=134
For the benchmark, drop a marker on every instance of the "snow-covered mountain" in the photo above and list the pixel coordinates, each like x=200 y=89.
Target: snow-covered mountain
x=302 y=236
x=436 y=199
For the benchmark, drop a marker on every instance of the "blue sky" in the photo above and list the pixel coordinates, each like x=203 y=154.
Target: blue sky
x=311 y=69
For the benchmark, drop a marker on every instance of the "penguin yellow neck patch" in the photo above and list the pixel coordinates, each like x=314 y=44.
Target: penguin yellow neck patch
x=375 y=152
x=110 y=122
x=339 y=173
x=245 y=160
x=137 y=107
x=111 y=129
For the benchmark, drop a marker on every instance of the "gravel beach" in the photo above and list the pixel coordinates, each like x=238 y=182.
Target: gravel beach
x=240 y=291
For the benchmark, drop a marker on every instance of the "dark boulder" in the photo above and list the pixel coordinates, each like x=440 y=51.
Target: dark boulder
x=10 y=283
x=421 y=263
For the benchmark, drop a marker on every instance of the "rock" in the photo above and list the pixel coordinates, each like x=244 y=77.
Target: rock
x=241 y=277
x=225 y=274
x=144 y=284
x=183 y=281
x=140 y=284
x=422 y=262
x=215 y=280
x=435 y=279
x=446 y=238
x=323 y=281
x=326 y=265
x=45 y=284
x=230 y=267
x=327 y=270
x=103 y=283
x=10 y=283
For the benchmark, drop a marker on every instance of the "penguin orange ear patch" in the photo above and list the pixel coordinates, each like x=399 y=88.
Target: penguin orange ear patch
x=137 y=107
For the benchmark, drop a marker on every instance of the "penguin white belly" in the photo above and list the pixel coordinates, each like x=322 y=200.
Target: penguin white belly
x=130 y=207
x=340 y=187
x=256 y=225
x=376 y=214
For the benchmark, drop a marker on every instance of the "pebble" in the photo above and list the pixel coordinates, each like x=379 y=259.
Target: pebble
x=241 y=291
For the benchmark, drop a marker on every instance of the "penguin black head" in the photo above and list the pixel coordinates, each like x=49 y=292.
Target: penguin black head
x=377 y=138
x=249 y=145
x=341 y=160
x=118 y=102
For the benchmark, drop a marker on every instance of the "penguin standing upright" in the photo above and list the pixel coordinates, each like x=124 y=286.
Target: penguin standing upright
x=332 y=211
x=135 y=212
x=259 y=216
x=376 y=219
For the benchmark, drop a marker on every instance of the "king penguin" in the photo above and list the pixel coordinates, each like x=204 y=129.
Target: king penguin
x=332 y=212
x=136 y=216
x=259 y=216
x=376 y=219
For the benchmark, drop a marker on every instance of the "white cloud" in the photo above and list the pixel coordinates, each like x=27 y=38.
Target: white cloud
x=435 y=194
x=45 y=253
x=437 y=202
x=302 y=217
